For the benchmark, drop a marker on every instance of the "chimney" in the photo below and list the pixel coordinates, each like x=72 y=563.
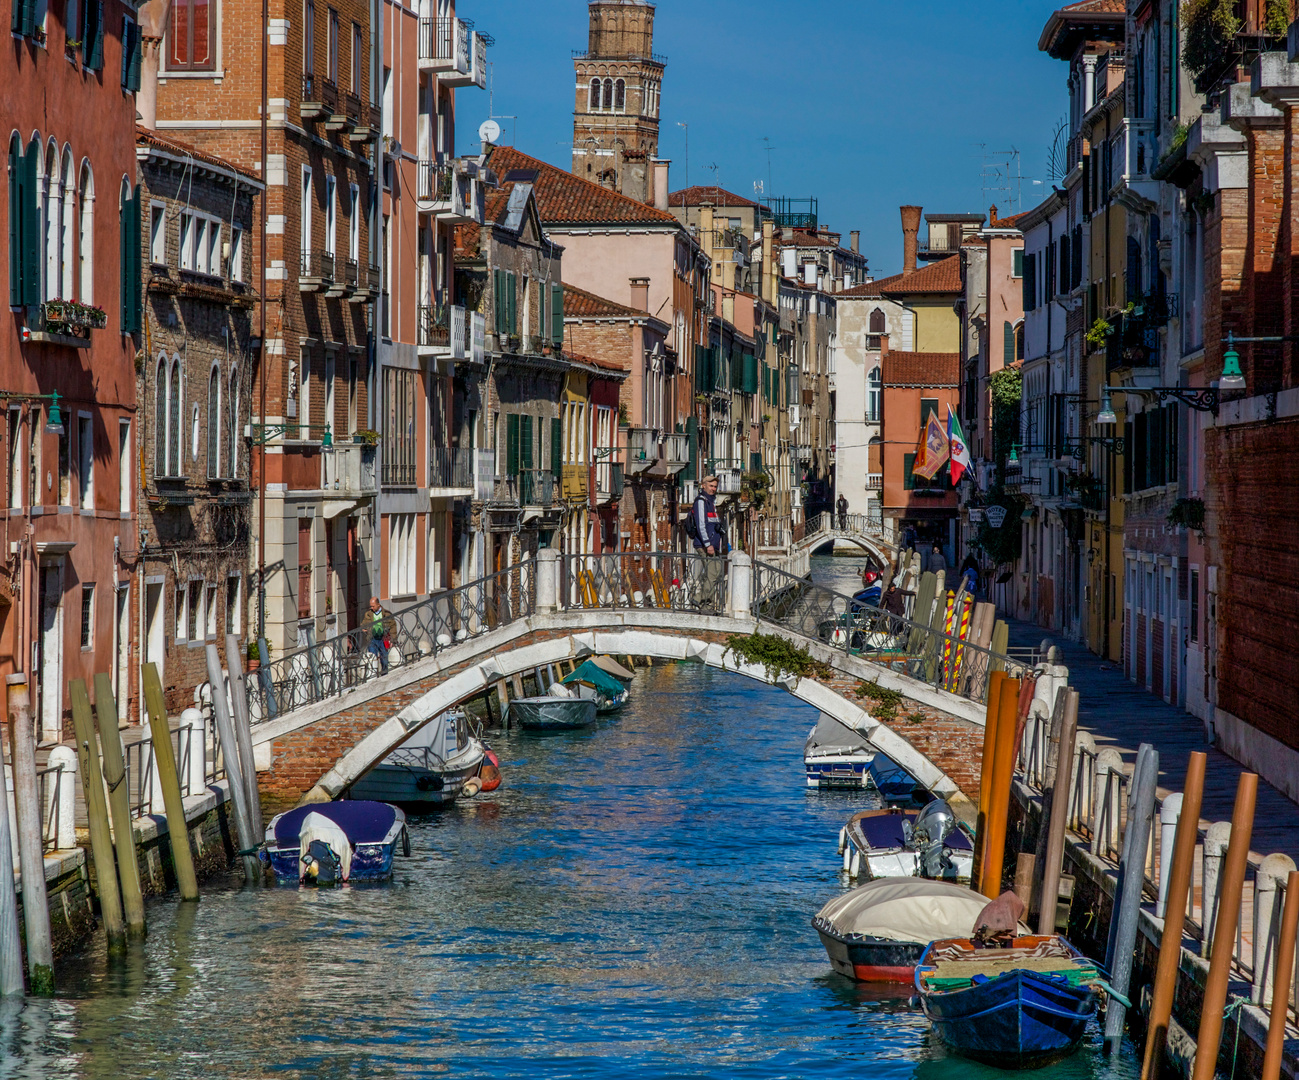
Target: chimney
x=660 y=166
x=992 y=216
x=854 y=241
x=910 y=230
x=640 y=293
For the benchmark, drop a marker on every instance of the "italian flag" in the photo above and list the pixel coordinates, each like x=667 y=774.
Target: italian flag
x=959 y=452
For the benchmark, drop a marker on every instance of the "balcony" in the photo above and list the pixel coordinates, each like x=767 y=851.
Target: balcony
x=349 y=472
x=576 y=482
x=433 y=184
x=335 y=107
x=398 y=473
x=358 y=118
x=676 y=453
x=484 y=466
x=451 y=472
x=367 y=285
x=63 y=322
x=338 y=286
x=312 y=106
x=642 y=449
x=315 y=271
x=447 y=48
x=874 y=481
x=536 y=487
x=434 y=327
x=730 y=479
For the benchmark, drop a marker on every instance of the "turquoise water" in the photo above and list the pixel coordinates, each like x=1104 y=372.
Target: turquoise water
x=633 y=902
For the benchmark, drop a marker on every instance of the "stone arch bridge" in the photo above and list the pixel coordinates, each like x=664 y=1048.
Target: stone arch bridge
x=323 y=716
x=867 y=532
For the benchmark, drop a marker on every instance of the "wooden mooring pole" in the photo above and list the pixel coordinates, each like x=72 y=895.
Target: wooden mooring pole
x=119 y=805
x=1170 y=943
x=243 y=728
x=164 y=760
x=234 y=770
x=31 y=853
x=1003 y=765
x=11 y=949
x=1281 y=983
x=985 y=775
x=1209 y=1041
x=101 y=838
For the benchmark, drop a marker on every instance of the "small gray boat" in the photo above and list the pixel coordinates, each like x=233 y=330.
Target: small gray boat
x=552 y=713
x=429 y=769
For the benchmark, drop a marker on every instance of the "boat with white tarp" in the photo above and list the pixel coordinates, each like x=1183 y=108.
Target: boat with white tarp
x=837 y=756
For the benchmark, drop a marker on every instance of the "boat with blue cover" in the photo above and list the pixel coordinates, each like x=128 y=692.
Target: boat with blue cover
x=591 y=681
x=335 y=842
x=553 y=712
x=1020 y=1006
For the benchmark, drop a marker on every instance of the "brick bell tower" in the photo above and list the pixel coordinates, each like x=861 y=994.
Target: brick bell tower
x=616 y=119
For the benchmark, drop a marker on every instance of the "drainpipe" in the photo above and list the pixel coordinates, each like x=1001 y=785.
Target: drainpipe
x=261 y=367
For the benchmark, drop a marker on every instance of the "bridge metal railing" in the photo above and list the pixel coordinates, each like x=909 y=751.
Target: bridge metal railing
x=909 y=648
x=324 y=670
x=644 y=579
x=830 y=523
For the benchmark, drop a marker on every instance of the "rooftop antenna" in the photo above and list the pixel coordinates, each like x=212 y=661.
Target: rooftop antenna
x=686 y=128
x=491 y=108
x=770 y=148
x=1002 y=179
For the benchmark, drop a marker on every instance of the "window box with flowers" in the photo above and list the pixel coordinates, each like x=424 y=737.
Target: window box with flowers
x=65 y=322
x=365 y=437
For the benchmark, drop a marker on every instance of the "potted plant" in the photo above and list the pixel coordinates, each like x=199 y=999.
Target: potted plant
x=254 y=657
x=366 y=437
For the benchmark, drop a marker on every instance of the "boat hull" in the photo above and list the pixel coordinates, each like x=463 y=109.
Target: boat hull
x=413 y=787
x=872 y=959
x=559 y=714
x=878 y=839
x=1018 y=1019
x=827 y=772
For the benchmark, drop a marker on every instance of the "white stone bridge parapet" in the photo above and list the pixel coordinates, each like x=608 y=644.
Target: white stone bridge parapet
x=869 y=533
x=318 y=749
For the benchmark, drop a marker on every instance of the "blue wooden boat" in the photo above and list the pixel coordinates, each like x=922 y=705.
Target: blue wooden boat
x=1018 y=1007
x=336 y=842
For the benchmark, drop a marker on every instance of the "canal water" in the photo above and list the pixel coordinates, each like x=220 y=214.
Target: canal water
x=634 y=901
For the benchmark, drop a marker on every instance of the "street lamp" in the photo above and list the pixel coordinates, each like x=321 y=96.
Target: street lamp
x=1232 y=378
x=54 y=421
x=261 y=434
x=1106 y=415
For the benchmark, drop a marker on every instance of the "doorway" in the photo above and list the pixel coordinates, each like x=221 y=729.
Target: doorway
x=50 y=653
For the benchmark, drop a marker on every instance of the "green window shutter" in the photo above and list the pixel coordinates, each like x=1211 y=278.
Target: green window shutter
x=525 y=441
x=927 y=405
x=541 y=312
x=498 y=302
x=750 y=363
x=557 y=314
x=1008 y=344
x=908 y=480
x=512 y=297
x=93 y=42
x=30 y=227
x=137 y=259
x=132 y=77
x=692 y=434
x=131 y=264
x=556 y=448
x=755 y=462
x=737 y=370
x=16 y=187
x=124 y=256
x=512 y=445
x=24 y=17
x=1017 y=263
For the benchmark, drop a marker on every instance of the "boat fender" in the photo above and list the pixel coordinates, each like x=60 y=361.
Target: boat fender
x=471 y=788
x=847 y=860
x=489 y=776
x=405 y=841
x=843 y=839
x=856 y=864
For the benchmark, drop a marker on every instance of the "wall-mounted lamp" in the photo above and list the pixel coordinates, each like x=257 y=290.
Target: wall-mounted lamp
x=1106 y=415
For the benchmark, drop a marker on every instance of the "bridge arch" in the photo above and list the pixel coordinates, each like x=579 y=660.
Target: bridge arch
x=473 y=679
x=872 y=546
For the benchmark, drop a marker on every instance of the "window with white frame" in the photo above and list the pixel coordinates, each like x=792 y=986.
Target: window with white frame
x=331 y=215
x=236 y=254
x=214 y=423
x=232 y=424
x=158 y=234
x=85 y=462
x=304 y=390
x=167 y=417
x=16 y=459
x=86 y=226
x=234 y=603
x=305 y=225
x=88 y=615
x=194 y=610
x=210 y=609
x=401 y=554
x=124 y=466
x=200 y=243
x=354 y=223
x=182 y=611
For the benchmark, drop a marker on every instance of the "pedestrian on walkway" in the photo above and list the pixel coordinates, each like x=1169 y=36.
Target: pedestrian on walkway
x=710 y=542
x=936 y=560
x=380 y=641
x=842 y=507
x=970 y=575
x=908 y=538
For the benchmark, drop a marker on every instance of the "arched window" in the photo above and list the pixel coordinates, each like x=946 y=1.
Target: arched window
x=619 y=95
x=878 y=325
x=1019 y=341
x=232 y=424
x=51 y=204
x=86 y=239
x=607 y=104
x=160 y=457
x=67 y=227
x=15 y=217
x=173 y=419
x=593 y=103
x=874 y=386
x=214 y=424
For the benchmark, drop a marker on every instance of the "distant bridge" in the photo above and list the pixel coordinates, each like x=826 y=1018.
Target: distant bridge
x=867 y=531
x=325 y=715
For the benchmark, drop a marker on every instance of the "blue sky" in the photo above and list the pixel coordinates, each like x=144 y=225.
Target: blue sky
x=867 y=104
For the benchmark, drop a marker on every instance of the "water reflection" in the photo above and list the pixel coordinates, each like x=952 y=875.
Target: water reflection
x=632 y=902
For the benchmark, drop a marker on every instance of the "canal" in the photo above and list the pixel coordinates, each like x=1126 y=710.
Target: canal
x=633 y=902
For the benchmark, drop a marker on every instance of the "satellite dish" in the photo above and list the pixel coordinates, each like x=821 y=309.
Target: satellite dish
x=489 y=131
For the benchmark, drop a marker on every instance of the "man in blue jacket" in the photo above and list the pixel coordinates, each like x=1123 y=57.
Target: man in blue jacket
x=709 y=542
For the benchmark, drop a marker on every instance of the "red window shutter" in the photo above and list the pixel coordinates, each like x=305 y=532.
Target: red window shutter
x=180 y=18
x=201 y=53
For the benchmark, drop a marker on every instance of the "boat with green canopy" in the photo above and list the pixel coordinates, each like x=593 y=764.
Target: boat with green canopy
x=588 y=680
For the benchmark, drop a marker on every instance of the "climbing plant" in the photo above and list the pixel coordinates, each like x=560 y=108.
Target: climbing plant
x=777 y=655
x=1007 y=387
x=1001 y=545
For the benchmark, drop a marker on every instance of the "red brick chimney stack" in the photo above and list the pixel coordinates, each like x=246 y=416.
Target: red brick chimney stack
x=910 y=231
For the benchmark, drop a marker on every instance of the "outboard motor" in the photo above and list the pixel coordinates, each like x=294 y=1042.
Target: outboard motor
x=320 y=866
x=928 y=838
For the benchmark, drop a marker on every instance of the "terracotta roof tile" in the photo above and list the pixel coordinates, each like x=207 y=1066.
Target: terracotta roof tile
x=611 y=366
x=921 y=369
x=563 y=198
x=149 y=137
x=579 y=303
x=943 y=276
x=708 y=196
x=870 y=288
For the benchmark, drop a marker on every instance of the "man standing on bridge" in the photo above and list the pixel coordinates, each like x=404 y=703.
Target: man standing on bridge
x=379 y=641
x=709 y=542
x=842 y=507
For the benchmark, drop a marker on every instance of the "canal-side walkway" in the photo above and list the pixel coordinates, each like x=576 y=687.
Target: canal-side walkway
x=1120 y=714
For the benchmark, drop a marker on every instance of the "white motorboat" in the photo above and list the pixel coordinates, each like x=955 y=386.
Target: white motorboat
x=836 y=756
x=429 y=769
